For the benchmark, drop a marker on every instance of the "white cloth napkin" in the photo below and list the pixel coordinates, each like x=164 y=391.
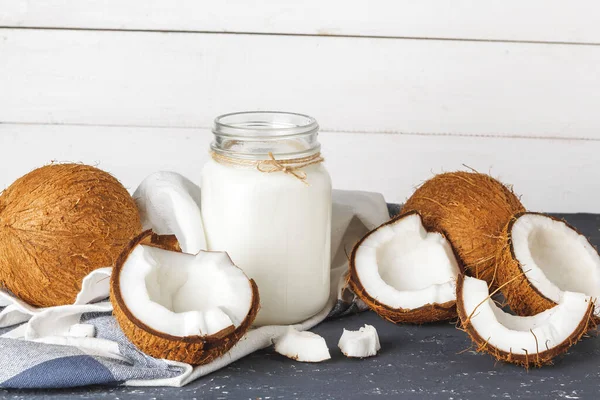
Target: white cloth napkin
x=354 y=214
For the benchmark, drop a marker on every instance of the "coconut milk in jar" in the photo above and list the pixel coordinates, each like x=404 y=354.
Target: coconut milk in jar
x=266 y=200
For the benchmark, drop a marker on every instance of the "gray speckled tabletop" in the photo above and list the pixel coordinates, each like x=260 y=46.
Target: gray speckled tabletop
x=416 y=362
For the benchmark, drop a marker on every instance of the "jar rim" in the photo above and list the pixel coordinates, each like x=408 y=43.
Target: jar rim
x=264 y=125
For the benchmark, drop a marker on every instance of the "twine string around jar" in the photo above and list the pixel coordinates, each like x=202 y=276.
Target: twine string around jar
x=291 y=166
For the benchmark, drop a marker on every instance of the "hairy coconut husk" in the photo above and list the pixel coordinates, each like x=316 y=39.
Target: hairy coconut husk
x=195 y=350
x=57 y=224
x=471 y=209
x=540 y=359
x=522 y=297
x=426 y=314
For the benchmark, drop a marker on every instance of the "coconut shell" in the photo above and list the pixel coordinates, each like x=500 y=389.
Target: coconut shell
x=540 y=359
x=425 y=314
x=195 y=350
x=57 y=224
x=471 y=209
x=522 y=297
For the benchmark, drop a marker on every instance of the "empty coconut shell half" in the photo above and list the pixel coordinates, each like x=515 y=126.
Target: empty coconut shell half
x=178 y=306
x=405 y=273
x=540 y=258
x=528 y=341
x=471 y=209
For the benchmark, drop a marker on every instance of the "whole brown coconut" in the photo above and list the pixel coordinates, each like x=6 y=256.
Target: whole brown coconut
x=57 y=224
x=471 y=209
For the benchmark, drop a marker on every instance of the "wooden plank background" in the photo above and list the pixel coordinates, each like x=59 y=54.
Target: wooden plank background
x=575 y=21
x=401 y=89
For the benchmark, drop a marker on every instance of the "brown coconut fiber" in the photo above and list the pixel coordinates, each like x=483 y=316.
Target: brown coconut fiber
x=471 y=209
x=57 y=224
x=195 y=350
x=539 y=359
x=433 y=312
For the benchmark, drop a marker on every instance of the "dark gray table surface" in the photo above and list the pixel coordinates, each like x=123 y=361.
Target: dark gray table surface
x=416 y=362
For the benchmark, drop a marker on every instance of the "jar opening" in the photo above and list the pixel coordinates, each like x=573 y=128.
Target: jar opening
x=266 y=124
x=254 y=135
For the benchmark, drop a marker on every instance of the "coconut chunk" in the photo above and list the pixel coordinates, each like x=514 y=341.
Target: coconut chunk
x=541 y=258
x=302 y=346
x=404 y=272
x=533 y=340
x=173 y=305
x=361 y=343
x=82 y=330
x=169 y=204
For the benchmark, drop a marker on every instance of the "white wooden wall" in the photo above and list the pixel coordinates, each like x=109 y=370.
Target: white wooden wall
x=401 y=88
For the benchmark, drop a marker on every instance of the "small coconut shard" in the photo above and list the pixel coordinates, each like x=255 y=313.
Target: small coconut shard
x=302 y=346
x=178 y=306
x=528 y=341
x=540 y=258
x=471 y=209
x=361 y=343
x=405 y=273
x=169 y=204
x=57 y=224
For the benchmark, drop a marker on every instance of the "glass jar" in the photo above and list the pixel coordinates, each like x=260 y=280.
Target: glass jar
x=266 y=200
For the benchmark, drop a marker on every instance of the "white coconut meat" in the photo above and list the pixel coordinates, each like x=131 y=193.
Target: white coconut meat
x=169 y=204
x=554 y=257
x=302 y=346
x=403 y=266
x=361 y=343
x=182 y=294
x=521 y=335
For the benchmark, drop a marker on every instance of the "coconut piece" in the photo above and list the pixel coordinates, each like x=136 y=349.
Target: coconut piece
x=526 y=341
x=169 y=203
x=57 y=224
x=302 y=346
x=361 y=343
x=82 y=330
x=471 y=209
x=539 y=258
x=405 y=273
x=178 y=306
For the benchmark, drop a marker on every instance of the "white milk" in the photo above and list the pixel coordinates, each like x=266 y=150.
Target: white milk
x=277 y=229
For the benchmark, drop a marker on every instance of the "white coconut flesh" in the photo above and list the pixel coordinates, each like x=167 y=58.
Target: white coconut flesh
x=521 y=335
x=554 y=257
x=169 y=204
x=302 y=346
x=361 y=343
x=182 y=294
x=403 y=266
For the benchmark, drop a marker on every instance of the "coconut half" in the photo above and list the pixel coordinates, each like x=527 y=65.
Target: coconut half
x=541 y=257
x=302 y=346
x=361 y=343
x=527 y=341
x=405 y=273
x=178 y=306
